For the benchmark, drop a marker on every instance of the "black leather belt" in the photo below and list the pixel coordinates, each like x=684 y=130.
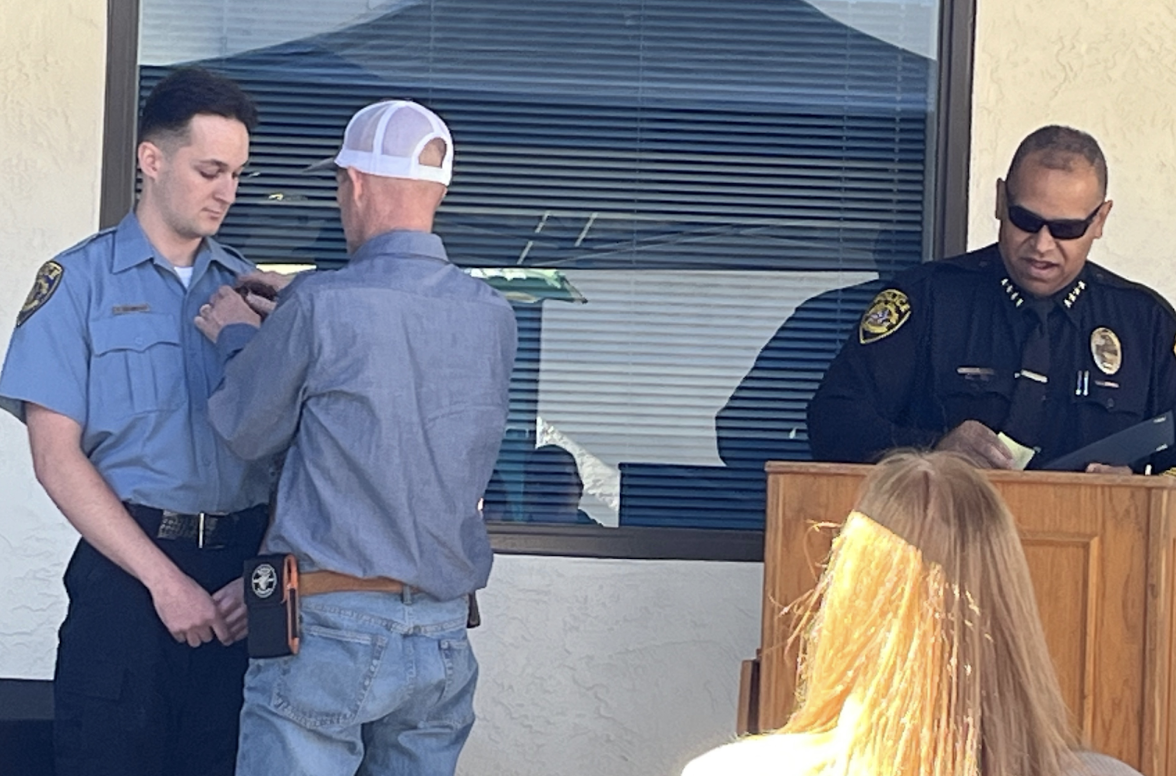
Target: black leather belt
x=204 y=530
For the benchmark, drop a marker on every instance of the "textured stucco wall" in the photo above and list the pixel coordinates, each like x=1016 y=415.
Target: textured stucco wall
x=605 y=667
x=52 y=57
x=1107 y=68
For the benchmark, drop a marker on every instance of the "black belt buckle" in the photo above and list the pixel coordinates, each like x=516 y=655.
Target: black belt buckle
x=209 y=530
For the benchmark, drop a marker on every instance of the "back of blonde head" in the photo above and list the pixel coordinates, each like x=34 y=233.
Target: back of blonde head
x=928 y=632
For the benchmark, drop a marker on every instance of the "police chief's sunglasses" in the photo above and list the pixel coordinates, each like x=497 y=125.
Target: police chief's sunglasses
x=1060 y=228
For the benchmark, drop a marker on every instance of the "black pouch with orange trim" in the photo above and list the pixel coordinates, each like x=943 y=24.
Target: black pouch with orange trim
x=271 y=597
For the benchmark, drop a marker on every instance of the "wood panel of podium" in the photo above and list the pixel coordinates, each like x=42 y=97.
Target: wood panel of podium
x=1101 y=551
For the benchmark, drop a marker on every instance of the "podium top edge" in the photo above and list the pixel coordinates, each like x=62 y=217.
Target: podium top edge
x=996 y=475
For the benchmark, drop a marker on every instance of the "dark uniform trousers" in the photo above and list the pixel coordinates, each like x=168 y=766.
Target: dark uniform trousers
x=129 y=700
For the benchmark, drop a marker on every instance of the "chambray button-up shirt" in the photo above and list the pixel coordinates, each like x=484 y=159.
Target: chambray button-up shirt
x=388 y=381
x=114 y=348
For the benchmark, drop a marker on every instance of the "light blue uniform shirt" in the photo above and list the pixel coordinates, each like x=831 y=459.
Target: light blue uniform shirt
x=388 y=380
x=114 y=348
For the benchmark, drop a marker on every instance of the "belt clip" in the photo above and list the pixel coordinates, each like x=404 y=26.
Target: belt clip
x=200 y=531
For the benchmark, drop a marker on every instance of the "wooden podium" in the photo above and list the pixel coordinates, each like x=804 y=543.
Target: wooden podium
x=1101 y=551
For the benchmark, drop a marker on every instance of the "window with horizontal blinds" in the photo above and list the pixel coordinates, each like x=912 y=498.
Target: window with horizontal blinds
x=689 y=204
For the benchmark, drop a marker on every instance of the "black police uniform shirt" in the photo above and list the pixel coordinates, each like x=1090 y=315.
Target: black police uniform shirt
x=943 y=344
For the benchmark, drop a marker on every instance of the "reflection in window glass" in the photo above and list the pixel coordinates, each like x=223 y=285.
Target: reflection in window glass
x=687 y=202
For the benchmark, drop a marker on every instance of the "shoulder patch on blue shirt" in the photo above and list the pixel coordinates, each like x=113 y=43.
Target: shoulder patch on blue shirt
x=47 y=281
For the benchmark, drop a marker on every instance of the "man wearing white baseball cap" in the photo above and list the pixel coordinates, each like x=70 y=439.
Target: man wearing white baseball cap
x=386 y=384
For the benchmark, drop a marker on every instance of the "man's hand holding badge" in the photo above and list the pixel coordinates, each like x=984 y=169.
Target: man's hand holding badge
x=260 y=290
x=250 y=301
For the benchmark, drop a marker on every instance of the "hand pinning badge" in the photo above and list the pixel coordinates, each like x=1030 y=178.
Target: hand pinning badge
x=1106 y=350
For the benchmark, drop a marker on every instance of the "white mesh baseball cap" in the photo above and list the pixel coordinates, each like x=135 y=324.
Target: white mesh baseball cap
x=387 y=138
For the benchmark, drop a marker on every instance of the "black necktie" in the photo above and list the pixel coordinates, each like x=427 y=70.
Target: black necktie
x=1028 y=403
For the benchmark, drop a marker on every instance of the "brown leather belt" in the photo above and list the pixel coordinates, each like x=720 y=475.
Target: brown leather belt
x=316 y=582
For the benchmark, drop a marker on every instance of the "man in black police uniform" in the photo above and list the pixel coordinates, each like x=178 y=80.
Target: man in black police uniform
x=1024 y=337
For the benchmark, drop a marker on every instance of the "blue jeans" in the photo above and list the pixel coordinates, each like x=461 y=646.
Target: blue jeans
x=383 y=684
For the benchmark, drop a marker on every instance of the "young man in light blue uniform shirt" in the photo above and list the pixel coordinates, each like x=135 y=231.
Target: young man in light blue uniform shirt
x=387 y=381
x=112 y=381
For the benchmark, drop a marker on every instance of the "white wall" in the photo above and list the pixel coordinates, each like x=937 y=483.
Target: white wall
x=52 y=64
x=608 y=667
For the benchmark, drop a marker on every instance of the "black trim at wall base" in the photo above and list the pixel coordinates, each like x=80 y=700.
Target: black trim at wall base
x=588 y=541
x=26 y=727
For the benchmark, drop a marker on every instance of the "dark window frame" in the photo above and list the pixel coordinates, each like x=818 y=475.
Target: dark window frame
x=949 y=217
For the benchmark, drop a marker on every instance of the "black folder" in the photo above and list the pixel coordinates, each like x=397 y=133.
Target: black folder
x=1122 y=448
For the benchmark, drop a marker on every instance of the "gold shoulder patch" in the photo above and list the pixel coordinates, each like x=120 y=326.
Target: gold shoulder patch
x=886 y=315
x=48 y=279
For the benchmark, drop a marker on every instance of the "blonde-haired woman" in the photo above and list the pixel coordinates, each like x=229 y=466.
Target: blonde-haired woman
x=926 y=655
